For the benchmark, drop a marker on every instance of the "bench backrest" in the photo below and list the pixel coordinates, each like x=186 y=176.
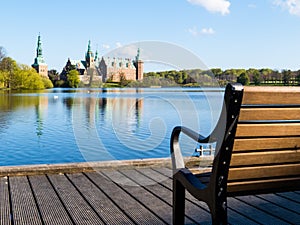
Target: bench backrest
x=266 y=152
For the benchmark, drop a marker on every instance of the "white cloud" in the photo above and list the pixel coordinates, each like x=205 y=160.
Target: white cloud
x=118 y=45
x=253 y=6
x=293 y=6
x=105 y=46
x=204 y=31
x=207 y=31
x=219 y=6
x=193 y=31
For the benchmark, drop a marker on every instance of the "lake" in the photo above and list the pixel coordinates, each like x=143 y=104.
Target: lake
x=78 y=125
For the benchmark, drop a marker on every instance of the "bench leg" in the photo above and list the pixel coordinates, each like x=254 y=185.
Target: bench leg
x=178 y=202
x=219 y=215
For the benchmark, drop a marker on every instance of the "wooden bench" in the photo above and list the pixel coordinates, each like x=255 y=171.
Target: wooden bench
x=257 y=150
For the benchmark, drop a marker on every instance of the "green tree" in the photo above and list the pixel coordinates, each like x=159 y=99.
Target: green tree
x=298 y=77
x=27 y=78
x=73 y=78
x=54 y=77
x=217 y=72
x=286 y=76
x=256 y=78
x=3 y=78
x=9 y=66
x=243 y=79
x=47 y=83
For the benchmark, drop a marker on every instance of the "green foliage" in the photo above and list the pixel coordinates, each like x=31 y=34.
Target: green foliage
x=47 y=83
x=60 y=83
x=16 y=76
x=256 y=78
x=73 y=79
x=286 y=76
x=243 y=79
x=298 y=77
x=33 y=82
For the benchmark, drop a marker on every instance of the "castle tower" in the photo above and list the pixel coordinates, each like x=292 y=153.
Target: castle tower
x=139 y=65
x=89 y=56
x=39 y=63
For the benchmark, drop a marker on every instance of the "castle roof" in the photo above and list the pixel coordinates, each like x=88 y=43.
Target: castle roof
x=118 y=62
x=79 y=64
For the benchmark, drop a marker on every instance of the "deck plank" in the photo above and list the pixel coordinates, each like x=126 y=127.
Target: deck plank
x=163 y=175
x=269 y=207
x=77 y=207
x=291 y=196
x=51 y=208
x=138 y=196
x=163 y=191
x=108 y=211
x=254 y=213
x=24 y=207
x=165 y=195
x=160 y=207
x=5 y=218
x=283 y=202
x=129 y=205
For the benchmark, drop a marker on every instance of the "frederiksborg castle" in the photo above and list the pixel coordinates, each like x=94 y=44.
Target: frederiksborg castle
x=95 y=68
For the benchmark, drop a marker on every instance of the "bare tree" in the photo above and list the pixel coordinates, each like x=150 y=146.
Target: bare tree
x=2 y=53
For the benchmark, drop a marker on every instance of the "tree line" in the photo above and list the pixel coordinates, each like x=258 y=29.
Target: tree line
x=20 y=76
x=217 y=76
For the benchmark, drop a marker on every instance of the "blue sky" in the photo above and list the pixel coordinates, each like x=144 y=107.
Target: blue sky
x=222 y=33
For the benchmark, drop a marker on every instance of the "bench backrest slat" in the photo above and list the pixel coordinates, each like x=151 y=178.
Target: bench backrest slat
x=288 y=113
x=268 y=130
x=271 y=95
x=258 y=144
x=266 y=152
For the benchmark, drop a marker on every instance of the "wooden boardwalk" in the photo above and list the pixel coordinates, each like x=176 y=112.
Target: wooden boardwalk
x=135 y=196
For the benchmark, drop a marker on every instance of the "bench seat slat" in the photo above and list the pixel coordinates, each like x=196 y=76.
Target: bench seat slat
x=254 y=144
x=258 y=172
x=267 y=130
x=270 y=114
x=268 y=157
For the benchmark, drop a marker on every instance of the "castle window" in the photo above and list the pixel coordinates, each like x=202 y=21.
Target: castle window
x=127 y=65
x=120 y=64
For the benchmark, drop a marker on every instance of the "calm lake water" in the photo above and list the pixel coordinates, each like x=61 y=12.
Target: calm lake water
x=77 y=125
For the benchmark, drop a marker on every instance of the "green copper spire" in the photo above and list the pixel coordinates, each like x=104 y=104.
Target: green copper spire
x=39 y=53
x=137 y=58
x=89 y=53
x=89 y=46
x=39 y=47
x=96 y=55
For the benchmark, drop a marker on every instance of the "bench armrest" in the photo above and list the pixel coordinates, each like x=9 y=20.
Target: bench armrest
x=177 y=159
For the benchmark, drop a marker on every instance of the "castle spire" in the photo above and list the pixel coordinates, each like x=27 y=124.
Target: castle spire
x=39 y=53
x=96 y=56
x=89 y=47
x=137 y=57
x=39 y=62
x=89 y=56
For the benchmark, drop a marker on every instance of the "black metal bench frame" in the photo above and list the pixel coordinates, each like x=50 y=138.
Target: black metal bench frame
x=257 y=150
x=213 y=193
